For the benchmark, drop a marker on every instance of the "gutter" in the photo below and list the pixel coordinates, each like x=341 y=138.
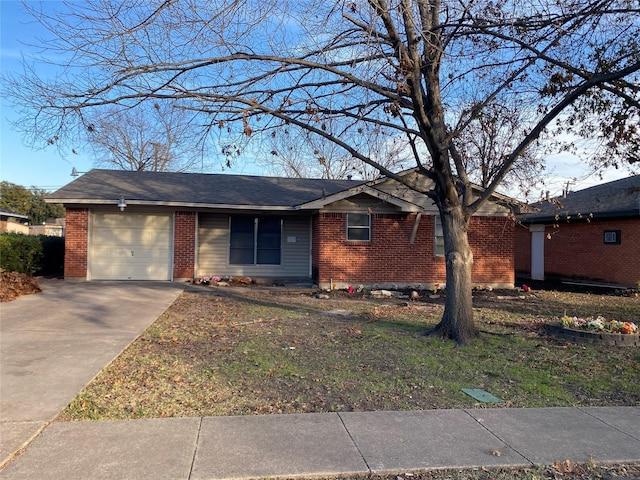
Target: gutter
x=114 y=202
x=584 y=218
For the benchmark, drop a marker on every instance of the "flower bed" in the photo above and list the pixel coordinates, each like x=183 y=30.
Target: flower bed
x=596 y=330
x=599 y=324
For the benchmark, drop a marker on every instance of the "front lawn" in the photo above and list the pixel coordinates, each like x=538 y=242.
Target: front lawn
x=235 y=351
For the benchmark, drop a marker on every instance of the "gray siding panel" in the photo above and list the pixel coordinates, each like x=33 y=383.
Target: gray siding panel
x=362 y=203
x=296 y=246
x=213 y=249
x=213 y=240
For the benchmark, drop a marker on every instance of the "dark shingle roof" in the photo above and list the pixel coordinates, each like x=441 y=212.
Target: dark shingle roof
x=102 y=186
x=620 y=198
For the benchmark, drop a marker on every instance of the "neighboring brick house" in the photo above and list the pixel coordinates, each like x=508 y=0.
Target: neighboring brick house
x=179 y=226
x=589 y=235
x=13 y=222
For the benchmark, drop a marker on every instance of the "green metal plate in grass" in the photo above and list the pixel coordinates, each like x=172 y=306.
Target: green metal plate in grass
x=481 y=395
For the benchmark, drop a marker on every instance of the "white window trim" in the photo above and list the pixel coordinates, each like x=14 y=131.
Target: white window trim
x=361 y=227
x=438 y=237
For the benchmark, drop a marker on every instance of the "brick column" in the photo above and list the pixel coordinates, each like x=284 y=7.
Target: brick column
x=76 y=242
x=492 y=242
x=184 y=246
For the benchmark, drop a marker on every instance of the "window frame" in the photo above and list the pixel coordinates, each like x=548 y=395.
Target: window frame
x=352 y=228
x=261 y=244
x=438 y=237
x=617 y=237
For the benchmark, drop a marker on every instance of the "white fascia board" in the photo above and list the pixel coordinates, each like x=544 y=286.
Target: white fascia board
x=216 y=206
x=213 y=206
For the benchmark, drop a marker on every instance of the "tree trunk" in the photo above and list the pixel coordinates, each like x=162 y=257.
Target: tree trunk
x=457 y=320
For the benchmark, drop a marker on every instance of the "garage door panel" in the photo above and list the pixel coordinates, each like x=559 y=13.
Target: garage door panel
x=131 y=246
x=108 y=253
x=149 y=254
x=111 y=237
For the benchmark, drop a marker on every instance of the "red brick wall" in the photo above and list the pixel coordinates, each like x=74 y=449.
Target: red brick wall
x=390 y=258
x=522 y=249
x=184 y=245
x=491 y=239
x=577 y=250
x=76 y=241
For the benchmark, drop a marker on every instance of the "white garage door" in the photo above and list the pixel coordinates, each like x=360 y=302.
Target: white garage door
x=130 y=246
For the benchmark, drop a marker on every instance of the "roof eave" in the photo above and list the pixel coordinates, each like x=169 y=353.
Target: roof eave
x=14 y=215
x=575 y=217
x=152 y=203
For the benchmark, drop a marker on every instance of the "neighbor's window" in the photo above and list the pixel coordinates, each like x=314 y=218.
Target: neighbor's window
x=438 y=245
x=612 y=237
x=359 y=227
x=255 y=240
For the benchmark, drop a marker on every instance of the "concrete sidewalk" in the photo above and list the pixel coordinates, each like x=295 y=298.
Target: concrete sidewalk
x=330 y=444
x=52 y=344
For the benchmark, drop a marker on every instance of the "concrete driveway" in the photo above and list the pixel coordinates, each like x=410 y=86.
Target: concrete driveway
x=53 y=343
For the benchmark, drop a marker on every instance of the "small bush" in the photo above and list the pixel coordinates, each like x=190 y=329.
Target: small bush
x=31 y=254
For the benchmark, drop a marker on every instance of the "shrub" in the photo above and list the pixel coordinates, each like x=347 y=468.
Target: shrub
x=20 y=253
x=31 y=254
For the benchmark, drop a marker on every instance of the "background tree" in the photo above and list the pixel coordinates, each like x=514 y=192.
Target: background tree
x=489 y=138
x=298 y=153
x=29 y=202
x=424 y=70
x=159 y=137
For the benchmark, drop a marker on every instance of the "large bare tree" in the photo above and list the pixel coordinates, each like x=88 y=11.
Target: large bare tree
x=425 y=70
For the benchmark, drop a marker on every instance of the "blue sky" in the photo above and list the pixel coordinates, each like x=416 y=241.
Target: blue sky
x=42 y=167
x=46 y=167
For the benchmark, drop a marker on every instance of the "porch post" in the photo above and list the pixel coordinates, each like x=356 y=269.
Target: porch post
x=537 y=252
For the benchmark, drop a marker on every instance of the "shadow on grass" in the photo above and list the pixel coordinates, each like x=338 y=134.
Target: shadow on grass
x=550 y=304
x=256 y=354
x=423 y=316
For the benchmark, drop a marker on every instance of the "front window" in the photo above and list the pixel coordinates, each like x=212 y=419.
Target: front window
x=359 y=227
x=438 y=247
x=255 y=240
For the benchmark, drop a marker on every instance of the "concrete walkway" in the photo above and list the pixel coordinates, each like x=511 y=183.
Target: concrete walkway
x=326 y=445
x=52 y=344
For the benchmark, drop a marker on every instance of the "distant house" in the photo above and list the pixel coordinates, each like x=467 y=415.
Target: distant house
x=180 y=226
x=13 y=222
x=590 y=235
x=52 y=227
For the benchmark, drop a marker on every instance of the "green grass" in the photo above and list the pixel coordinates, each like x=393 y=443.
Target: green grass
x=260 y=353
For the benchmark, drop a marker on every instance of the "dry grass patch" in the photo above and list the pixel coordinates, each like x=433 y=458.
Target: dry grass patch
x=244 y=351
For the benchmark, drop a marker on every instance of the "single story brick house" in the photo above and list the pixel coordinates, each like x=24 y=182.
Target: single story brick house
x=588 y=235
x=12 y=222
x=180 y=226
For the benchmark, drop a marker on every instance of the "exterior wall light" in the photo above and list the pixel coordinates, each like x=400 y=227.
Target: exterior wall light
x=122 y=204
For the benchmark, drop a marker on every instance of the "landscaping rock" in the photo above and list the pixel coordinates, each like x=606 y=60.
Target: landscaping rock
x=381 y=294
x=585 y=336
